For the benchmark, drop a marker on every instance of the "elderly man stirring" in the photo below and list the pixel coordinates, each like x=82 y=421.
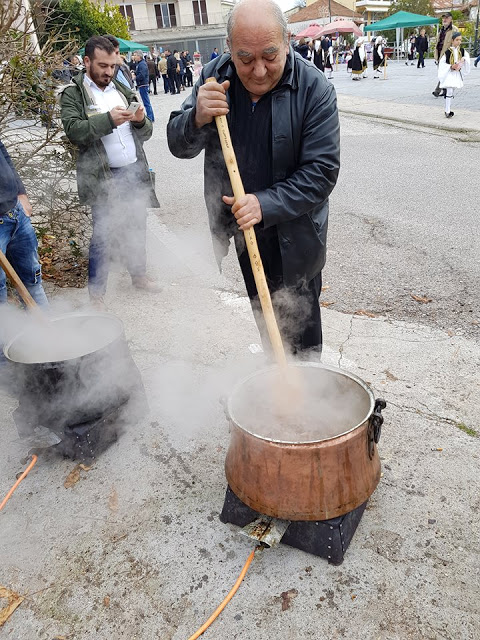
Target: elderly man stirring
x=283 y=119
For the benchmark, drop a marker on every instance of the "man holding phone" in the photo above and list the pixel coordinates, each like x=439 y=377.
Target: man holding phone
x=105 y=121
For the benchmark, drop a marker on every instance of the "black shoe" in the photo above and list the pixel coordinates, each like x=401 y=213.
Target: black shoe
x=449 y=115
x=475 y=64
x=435 y=93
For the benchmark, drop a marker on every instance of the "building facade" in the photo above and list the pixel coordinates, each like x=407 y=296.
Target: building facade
x=193 y=25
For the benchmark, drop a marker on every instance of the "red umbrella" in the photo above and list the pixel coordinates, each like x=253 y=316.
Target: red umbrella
x=310 y=31
x=338 y=26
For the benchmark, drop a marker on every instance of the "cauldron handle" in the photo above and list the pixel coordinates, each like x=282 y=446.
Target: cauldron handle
x=375 y=426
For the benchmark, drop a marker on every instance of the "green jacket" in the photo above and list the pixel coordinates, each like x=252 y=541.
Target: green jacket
x=85 y=133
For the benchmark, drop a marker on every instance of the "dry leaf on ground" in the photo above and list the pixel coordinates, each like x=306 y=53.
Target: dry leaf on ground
x=106 y=601
x=390 y=376
x=74 y=475
x=326 y=304
x=113 y=500
x=423 y=299
x=362 y=312
x=14 y=600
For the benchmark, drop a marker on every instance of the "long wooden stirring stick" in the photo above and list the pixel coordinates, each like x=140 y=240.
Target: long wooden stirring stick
x=251 y=242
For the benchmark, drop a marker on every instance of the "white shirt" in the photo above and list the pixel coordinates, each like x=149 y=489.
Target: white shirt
x=119 y=145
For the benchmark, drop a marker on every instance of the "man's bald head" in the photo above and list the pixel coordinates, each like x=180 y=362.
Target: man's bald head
x=253 y=10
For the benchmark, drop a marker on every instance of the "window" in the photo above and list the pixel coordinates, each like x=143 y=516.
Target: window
x=165 y=14
x=127 y=12
x=200 y=11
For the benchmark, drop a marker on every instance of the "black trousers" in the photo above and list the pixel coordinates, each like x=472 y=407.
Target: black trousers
x=154 y=80
x=174 y=79
x=297 y=309
x=421 y=59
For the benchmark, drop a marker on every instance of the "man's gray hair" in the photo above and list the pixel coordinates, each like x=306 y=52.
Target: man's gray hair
x=138 y=53
x=276 y=12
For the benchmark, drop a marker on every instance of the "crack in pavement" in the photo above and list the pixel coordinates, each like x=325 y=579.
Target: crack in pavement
x=340 y=348
x=428 y=414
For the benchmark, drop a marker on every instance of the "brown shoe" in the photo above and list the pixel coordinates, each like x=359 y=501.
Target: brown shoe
x=145 y=284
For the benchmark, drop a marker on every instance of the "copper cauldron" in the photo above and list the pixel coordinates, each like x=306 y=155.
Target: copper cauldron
x=296 y=472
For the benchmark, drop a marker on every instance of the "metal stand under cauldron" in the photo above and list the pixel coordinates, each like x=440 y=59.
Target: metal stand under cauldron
x=310 y=487
x=328 y=539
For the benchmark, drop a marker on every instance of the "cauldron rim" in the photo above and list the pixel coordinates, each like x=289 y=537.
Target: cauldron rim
x=315 y=365
x=78 y=314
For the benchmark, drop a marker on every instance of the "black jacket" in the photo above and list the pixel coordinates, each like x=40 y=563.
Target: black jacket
x=172 y=64
x=10 y=184
x=305 y=157
x=421 y=43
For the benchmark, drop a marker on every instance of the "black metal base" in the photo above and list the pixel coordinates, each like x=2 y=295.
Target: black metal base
x=87 y=441
x=328 y=539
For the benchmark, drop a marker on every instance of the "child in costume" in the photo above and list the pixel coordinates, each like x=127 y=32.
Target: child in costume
x=379 y=62
x=328 y=61
x=359 y=60
x=452 y=67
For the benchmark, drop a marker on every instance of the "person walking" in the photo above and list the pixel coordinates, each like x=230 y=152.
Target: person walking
x=453 y=66
x=18 y=240
x=215 y=54
x=329 y=61
x=173 y=70
x=421 y=44
x=152 y=75
x=318 y=55
x=411 y=50
x=443 y=43
x=359 y=60
x=284 y=124
x=113 y=176
x=379 y=62
x=183 y=70
x=141 y=80
x=162 y=70
x=188 y=69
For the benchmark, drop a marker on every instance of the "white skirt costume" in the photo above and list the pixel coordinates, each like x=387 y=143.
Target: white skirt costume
x=446 y=75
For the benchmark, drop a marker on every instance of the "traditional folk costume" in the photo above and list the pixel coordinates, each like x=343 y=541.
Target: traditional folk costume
x=318 y=56
x=359 y=61
x=328 y=62
x=451 y=79
x=379 y=61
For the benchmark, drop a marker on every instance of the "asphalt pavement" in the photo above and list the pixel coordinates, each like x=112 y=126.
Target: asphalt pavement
x=135 y=548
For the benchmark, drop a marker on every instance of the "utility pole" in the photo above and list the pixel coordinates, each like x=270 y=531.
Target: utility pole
x=475 y=44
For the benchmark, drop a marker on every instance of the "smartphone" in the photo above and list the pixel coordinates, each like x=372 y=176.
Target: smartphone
x=133 y=106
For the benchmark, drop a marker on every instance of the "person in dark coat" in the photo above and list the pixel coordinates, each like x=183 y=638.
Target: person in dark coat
x=285 y=133
x=152 y=75
x=302 y=48
x=173 y=74
x=421 y=44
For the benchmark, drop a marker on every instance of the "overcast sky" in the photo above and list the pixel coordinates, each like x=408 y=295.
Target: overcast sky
x=286 y=4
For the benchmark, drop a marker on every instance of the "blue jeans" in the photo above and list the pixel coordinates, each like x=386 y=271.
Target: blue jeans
x=146 y=102
x=19 y=243
x=119 y=227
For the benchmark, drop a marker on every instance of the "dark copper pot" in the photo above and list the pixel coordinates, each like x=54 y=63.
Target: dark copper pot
x=306 y=480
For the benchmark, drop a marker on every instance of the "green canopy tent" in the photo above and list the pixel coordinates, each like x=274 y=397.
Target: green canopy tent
x=398 y=21
x=126 y=46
